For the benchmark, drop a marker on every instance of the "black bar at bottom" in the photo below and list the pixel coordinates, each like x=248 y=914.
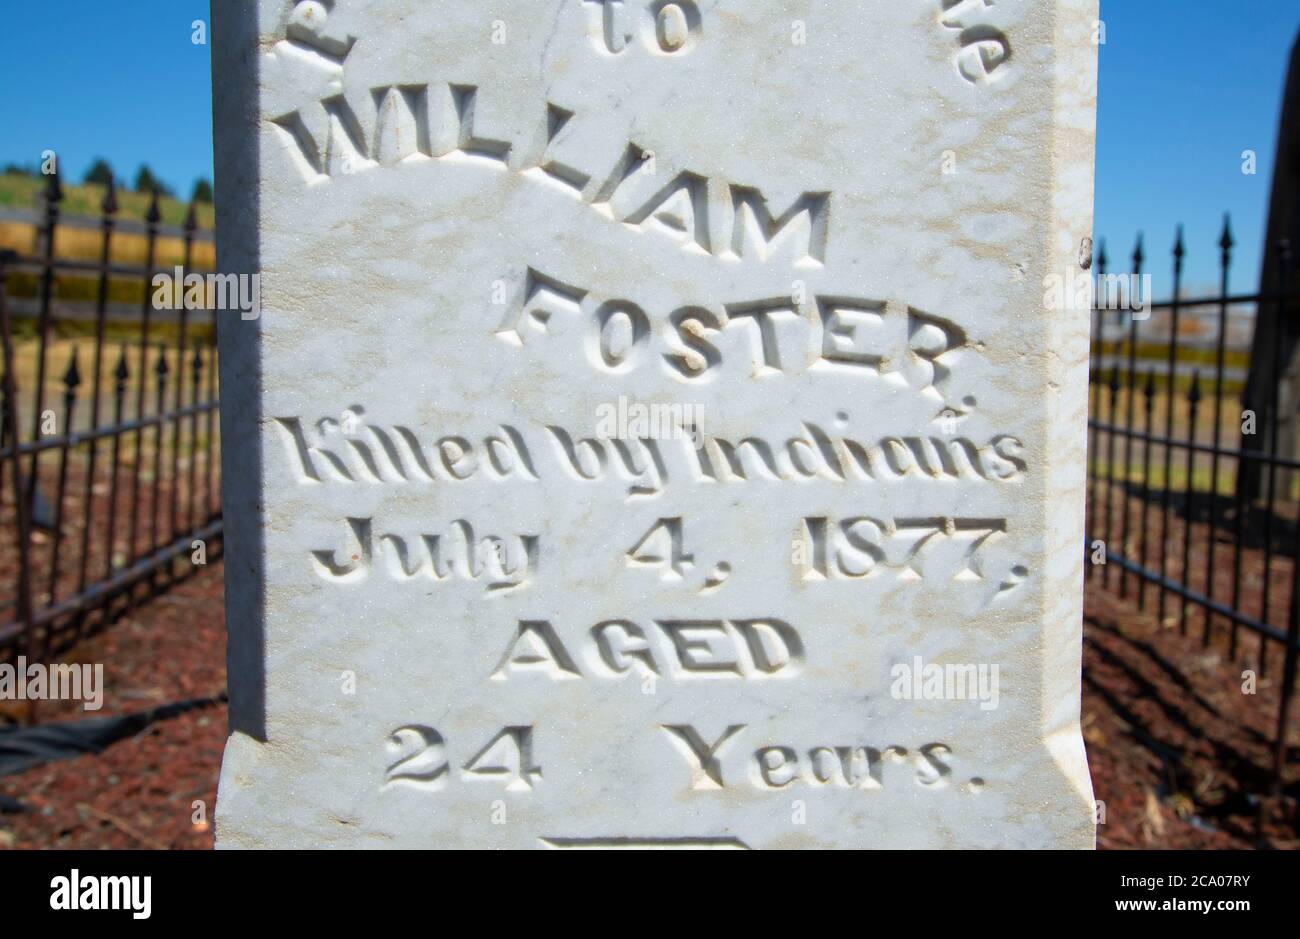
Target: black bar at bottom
x=903 y=890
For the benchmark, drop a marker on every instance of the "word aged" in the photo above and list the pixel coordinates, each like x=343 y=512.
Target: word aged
x=683 y=649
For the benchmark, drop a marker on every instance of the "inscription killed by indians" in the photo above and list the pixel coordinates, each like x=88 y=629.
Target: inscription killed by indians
x=656 y=432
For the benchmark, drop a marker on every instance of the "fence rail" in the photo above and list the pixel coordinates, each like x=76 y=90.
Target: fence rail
x=1175 y=508
x=109 y=439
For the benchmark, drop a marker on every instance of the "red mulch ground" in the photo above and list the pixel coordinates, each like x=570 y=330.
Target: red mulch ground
x=139 y=792
x=1179 y=755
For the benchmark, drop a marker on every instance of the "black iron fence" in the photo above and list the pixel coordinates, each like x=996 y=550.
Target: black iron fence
x=1193 y=496
x=109 y=441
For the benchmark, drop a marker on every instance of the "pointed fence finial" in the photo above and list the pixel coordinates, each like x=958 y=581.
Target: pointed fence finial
x=53 y=187
x=154 y=215
x=109 y=204
x=1225 y=240
x=72 y=377
x=123 y=371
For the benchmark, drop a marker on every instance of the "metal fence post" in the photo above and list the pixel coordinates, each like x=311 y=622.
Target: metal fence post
x=25 y=620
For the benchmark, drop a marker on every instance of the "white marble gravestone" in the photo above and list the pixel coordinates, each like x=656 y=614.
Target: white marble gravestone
x=664 y=425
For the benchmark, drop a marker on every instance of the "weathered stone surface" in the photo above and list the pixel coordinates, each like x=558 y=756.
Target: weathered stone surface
x=665 y=424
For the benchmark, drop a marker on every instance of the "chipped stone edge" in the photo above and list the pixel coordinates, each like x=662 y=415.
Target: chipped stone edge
x=1067 y=349
x=236 y=73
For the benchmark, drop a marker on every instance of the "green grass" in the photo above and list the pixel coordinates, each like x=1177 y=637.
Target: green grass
x=25 y=192
x=199 y=329
x=1232 y=387
x=1201 y=476
x=86 y=289
x=1158 y=353
x=76 y=243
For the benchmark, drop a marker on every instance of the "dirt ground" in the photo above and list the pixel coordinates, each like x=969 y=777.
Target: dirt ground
x=1179 y=755
x=154 y=790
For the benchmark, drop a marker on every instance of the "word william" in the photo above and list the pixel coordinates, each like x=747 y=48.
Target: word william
x=444 y=122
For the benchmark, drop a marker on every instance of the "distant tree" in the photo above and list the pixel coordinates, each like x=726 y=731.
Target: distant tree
x=100 y=173
x=202 y=191
x=13 y=169
x=146 y=181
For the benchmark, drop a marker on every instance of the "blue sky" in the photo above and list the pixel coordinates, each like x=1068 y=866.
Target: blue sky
x=113 y=78
x=1186 y=86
